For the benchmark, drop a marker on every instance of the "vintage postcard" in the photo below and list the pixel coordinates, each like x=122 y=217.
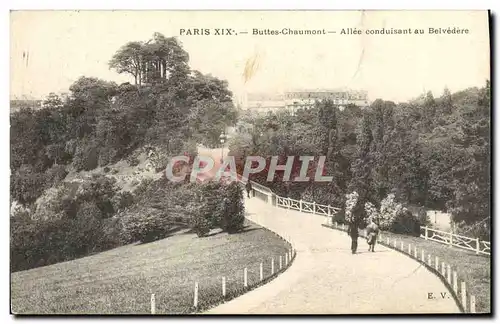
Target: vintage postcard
x=250 y=162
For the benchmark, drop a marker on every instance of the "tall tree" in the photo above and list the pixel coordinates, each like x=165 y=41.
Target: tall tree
x=129 y=59
x=361 y=168
x=446 y=101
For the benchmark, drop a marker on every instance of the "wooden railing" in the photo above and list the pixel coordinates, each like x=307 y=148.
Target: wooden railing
x=267 y=194
x=463 y=242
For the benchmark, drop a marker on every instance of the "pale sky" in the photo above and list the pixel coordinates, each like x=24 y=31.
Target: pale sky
x=64 y=45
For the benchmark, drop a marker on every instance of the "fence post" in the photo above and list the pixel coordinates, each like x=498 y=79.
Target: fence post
x=388 y=242
x=402 y=246
x=455 y=284
x=289 y=202
x=153 y=306
x=286 y=259
x=223 y=286
x=330 y=215
x=272 y=266
x=426 y=234
x=314 y=207
x=443 y=269
x=429 y=260
x=409 y=249
x=195 y=303
x=261 y=272
x=300 y=205
x=436 y=266
x=281 y=263
x=416 y=253
x=448 y=277
x=472 y=304
x=477 y=246
x=464 y=296
x=245 y=278
x=423 y=256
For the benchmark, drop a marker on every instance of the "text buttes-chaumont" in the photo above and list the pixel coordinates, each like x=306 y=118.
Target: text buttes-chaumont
x=288 y=31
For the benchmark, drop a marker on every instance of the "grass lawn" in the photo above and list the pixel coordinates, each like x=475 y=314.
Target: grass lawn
x=121 y=281
x=472 y=268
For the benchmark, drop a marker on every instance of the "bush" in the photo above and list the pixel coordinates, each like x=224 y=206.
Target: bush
x=339 y=217
x=233 y=211
x=213 y=205
x=26 y=185
x=17 y=210
x=132 y=160
x=200 y=225
x=480 y=230
x=107 y=155
x=54 y=175
x=56 y=203
x=36 y=243
x=205 y=207
x=86 y=156
x=122 y=200
x=106 y=169
x=142 y=188
x=420 y=212
x=144 y=225
x=389 y=210
x=100 y=190
x=406 y=223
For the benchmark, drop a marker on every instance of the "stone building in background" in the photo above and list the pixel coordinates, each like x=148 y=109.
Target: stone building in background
x=300 y=99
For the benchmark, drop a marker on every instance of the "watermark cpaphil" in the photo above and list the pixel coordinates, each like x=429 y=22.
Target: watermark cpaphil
x=204 y=166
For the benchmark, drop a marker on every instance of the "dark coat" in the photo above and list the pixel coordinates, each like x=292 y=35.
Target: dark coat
x=353 y=231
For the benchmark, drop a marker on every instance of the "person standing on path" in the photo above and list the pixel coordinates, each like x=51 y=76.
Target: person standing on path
x=353 y=233
x=372 y=231
x=248 y=187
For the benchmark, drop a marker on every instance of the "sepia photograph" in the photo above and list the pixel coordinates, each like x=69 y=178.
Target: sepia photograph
x=251 y=162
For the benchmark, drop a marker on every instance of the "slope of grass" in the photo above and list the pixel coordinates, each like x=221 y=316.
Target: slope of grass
x=121 y=281
x=472 y=268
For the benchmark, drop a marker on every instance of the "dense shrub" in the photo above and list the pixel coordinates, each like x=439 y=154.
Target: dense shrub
x=86 y=155
x=146 y=226
x=420 y=212
x=54 y=175
x=56 y=203
x=132 y=160
x=26 y=185
x=480 y=230
x=233 y=208
x=122 y=200
x=18 y=210
x=200 y=224
x=36 y=243
x=206 y=208
x=142 y=187
x=406 y=223
x=101 y=190
x=389 y=211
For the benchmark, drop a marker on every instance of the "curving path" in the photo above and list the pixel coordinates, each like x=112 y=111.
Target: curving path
x=326 y=278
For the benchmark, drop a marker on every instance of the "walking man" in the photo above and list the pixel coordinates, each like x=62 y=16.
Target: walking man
x=372 y=231
x=353 y=233
x=248 y=187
